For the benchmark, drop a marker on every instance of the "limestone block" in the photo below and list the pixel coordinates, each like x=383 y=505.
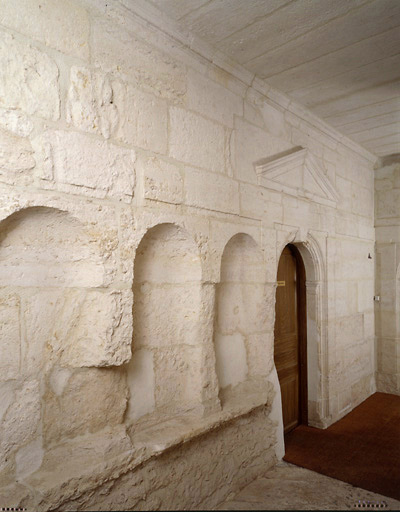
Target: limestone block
x=167 y=254
x=241 y=306
x=274 y=121
x=80 y=164
x=273 y=212
x=386 y=324
x=92 y=399
x=212 y=100
x=29 y=458
x=41 y=312
x=10 y=336
x=21 y=420
x=346 y=298
x=223 y=231
x=260 y=353
x=92 y=101
x=196 y=140
x=141 y=382
x=158 y=326
x=228 y=309
x=242 y=260
x=386 y=383
x=388 y=203
x=362 y=201
x=366 y=295
x=143 y=65
x=95 y=329
x=252 y=144
x=177 y=378
x=58 y=379
x=252 y=114
x=387 y=355
x=60 y=25
x=45 y=247
x=231 y=358
x=144 y=120
x=252 y=201
x=16 y=122
x=7 y=395
x=344 y=189
x=384 y=184
x=16 y=158
x=369 y=324
x=270 y=256
x=349 y=329
x=162 y=180
x=300 y=137
x=217 y=193
x=346 y=224
x=396 y=176
x=386 y=288
x=29 y=78
x=386 y=234
x=386 y=260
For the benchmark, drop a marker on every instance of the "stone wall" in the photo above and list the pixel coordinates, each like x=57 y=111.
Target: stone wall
x=148 y=188
x=387 y=221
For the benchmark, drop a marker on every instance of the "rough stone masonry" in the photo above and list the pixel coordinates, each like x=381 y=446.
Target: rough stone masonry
x=142 y=221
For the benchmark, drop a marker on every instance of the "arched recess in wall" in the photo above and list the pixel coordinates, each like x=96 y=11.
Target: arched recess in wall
x=51 y=316
x=164 y=372
x=242 y=334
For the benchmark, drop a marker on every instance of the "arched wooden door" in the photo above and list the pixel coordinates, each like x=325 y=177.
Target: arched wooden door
x=290 y=350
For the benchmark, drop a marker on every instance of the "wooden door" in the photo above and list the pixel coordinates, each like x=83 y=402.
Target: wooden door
x=290 y=334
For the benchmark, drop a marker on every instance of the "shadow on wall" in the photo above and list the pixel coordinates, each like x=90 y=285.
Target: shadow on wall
x=164 y=372
x=243 y=334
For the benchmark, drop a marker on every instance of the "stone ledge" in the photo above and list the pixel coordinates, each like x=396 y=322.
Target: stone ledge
x=92 y=460
x=158 y=438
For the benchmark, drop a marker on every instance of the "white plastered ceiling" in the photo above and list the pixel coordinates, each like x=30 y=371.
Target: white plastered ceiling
x=340 y=58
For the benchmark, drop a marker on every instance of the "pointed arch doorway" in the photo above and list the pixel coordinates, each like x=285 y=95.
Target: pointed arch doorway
x=290 y=346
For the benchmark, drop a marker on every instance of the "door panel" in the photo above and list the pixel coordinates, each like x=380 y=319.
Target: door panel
x=288 y=337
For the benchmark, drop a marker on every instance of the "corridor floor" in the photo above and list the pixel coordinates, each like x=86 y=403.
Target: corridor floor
x=289 y=487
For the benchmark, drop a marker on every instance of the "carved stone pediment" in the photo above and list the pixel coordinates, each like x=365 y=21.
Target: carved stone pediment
x=296 y=172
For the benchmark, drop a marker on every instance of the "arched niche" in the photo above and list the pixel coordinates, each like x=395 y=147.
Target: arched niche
x=47 y=264
x=46 y=247
x=54 y=320
x=242 y=319
x=164 y=373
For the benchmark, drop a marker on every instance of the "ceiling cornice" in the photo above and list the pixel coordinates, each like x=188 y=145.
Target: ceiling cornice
x=142 y=12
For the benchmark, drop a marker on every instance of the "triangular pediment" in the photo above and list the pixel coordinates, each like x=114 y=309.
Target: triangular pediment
x=296 y=172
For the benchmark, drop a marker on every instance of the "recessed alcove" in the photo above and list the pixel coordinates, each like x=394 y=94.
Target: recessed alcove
x=241 y=328
x=47 y=247
x=53 y=308
x=164 y=373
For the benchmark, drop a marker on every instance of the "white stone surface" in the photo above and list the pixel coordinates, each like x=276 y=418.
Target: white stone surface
x=10 y=336
x=85 y=165
x=60 y=25
x=162 y=180
x=222 y=197
x=29 y=79
x=196 y=140
x=138 y=259
x=29 y=458
x=141 y=384
x=92 y=101
x=231 y=348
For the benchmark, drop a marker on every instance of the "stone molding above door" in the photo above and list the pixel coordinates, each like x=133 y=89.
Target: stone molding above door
x=298 y=173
